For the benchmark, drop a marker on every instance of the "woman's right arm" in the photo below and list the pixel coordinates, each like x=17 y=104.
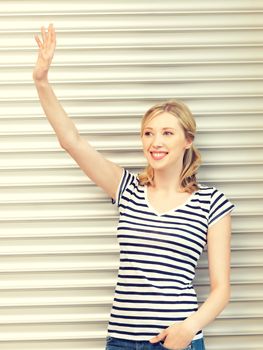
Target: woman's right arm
x=100 y=170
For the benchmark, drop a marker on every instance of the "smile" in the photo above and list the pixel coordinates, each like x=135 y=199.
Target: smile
x=158 y=155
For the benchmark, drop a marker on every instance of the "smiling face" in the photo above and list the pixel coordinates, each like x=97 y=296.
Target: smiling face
x=164 y=141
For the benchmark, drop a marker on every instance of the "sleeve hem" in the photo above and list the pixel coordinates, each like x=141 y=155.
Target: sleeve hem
x=116 y=200
x=229 y=210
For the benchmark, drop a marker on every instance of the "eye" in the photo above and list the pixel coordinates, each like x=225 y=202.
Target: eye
x=147 y=133
x=168 y=133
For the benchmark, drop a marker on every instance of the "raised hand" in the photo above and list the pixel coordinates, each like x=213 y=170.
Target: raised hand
x=46 y=52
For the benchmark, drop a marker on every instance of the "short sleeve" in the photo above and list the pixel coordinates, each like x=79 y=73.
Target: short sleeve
x=219 y=207
x=125 y=181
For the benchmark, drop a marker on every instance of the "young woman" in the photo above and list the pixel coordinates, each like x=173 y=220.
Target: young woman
x=166 y=219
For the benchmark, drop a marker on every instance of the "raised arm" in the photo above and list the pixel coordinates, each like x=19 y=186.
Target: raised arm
x=100 y=170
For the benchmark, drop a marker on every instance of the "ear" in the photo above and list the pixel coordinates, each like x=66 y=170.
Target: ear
x=188 y=144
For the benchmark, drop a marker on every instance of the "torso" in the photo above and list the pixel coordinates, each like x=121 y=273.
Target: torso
x=159 y=253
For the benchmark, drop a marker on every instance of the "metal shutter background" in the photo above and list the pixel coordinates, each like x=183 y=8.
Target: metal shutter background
x=114 y=59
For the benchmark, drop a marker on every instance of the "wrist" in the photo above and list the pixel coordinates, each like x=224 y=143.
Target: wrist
x=40 y=75
x=192 y=323
x=41 y=82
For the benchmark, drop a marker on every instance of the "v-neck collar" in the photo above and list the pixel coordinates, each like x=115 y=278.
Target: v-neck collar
x=167 y=211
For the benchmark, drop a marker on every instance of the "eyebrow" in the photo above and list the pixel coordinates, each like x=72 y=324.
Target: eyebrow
x=165 y=128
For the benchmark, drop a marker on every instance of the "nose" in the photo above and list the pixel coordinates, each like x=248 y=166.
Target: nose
x=157 y=141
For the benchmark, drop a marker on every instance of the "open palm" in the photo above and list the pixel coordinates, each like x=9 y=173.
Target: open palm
x=46 y=52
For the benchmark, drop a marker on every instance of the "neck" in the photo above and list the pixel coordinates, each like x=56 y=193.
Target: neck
x=168 y=179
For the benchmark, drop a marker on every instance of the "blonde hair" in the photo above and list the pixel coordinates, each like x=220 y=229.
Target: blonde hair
x=192 y=157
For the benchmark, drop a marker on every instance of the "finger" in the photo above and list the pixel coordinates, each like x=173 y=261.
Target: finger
x=44 y=34
x=161 y=336
x=53 y=40
x=49 y=34
x=39 y=43
x=53 y=34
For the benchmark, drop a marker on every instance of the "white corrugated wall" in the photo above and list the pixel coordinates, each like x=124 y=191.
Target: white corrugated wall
x=114 y=59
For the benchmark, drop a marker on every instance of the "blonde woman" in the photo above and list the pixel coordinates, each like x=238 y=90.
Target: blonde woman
x=165 y=220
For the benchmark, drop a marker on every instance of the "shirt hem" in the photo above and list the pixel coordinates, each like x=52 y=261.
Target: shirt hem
x=143 y=338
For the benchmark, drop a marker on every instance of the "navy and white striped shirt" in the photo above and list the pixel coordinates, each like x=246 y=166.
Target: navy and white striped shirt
x=158 y=257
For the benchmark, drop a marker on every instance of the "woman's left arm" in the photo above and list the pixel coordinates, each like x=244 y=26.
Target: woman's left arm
x=179 y=335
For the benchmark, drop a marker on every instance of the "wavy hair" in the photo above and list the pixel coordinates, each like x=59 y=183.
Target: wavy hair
x=192 y=157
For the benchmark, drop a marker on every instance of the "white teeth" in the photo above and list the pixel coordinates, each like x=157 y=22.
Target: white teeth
x=158 y=154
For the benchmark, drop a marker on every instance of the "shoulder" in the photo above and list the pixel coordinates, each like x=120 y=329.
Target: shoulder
x=212 y=191
x=211 y=194
x=207 y=190
x=127 y=185
x=218 y=203
x=129 y=179
x=203 y=186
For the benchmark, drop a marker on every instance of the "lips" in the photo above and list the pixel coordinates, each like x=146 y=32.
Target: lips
x=158 y=155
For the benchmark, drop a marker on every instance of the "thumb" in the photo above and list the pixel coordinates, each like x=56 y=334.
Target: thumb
x=161 y=336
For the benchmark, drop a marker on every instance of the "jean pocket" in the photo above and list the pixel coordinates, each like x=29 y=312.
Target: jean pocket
x=108 y=339
x=163 y=347
x=189 y=347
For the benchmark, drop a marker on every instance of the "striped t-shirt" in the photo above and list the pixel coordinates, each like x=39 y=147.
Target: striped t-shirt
x=158 y=257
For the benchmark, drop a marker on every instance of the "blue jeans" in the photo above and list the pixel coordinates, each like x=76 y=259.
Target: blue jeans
x=123 y=344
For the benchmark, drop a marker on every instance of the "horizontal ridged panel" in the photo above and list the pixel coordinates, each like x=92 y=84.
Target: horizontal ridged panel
x=135 y=6
x=144 y=38
x=136 y=73
x=135 y=90
x=114 y=59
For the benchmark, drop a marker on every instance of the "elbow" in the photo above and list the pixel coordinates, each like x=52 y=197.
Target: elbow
x=228 y=296
x=226 y=291
x=63 y=144
x=225 y=297
x=224 y=294
x=68 y=142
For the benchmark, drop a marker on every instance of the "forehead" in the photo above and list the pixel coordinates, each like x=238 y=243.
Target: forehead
x=162 y=120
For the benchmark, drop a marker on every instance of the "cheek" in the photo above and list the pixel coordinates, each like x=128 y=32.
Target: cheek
x=145 y=144
x=178 y=143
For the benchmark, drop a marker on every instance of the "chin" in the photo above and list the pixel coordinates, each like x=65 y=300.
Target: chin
x=157 y=166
